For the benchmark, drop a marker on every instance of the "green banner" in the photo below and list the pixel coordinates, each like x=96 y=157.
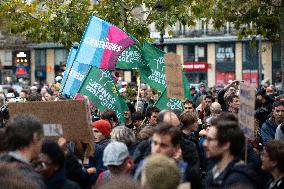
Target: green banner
x=166 y=103
x=129 y=58
x=154 y=57
x=102 y=92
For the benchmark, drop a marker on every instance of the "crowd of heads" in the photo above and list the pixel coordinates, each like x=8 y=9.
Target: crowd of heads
x=202 y=146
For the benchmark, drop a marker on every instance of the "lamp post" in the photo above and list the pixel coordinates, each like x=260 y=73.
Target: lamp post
x=259 y=60
x=159 y=7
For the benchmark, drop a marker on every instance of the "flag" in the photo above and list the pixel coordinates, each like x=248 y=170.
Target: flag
x=102 y=92
x=154 y=58
x=166 y=103
x=102 y=43
x=71 y=57
x=74 y=75
x=129 y=58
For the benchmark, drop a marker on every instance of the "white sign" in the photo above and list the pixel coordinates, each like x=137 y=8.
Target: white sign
x=52 y=130
x=246 y=111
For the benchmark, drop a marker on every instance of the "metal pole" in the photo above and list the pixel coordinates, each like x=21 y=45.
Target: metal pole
x=259 y=60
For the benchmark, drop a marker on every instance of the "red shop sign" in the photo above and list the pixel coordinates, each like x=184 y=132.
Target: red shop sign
x=195 y=66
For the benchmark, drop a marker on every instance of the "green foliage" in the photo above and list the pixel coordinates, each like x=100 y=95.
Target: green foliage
x=64 y=21
x=250 y=17
x=47 y=21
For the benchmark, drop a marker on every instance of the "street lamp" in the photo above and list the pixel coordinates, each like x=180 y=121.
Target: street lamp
x=160 y=8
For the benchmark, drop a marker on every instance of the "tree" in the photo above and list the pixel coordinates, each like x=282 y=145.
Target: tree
x=64 y=21
x=252 y=18
x=46 y=21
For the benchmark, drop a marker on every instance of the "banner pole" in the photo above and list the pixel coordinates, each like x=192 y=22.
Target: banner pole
x=60 y=92
x=138 y=92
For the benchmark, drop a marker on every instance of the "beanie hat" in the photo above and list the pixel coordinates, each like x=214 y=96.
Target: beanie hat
x=103 y=126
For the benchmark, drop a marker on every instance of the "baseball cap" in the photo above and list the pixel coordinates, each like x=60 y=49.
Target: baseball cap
x=33 y=88
x=115 y=154
x=10 y=95
x=58 y=78
x=122 y=90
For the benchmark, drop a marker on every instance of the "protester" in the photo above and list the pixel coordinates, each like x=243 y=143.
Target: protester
x=279 y=134
x=117 y=160
x=11 y=178
x=143 y=149
x=74 y=169
x=101 y=131
x=137 y=120
x=128 y=120
x=189 y=141
x=160 y=172
x=225 y=92
x=121 y=182
x=166 y=141
x=110 y=116
x=268 y=128
x=24 y=135
x=168 y=116
x=233 y=103
x=50 y=165
x=126 y=136
x=224 y=143
x=273 y=162
x=151 y=115
x=215 y=109
x=188 y=105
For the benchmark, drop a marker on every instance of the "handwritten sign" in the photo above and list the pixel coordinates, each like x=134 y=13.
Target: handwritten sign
x=175 y=88
x=59 y=118
x=246 y=111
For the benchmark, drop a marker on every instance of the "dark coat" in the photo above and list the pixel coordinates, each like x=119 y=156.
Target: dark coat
x=189 y=150
x=97 y=159
x=59 y=181
x=236 y=172
x=277 y=185
x=221 y=99
x=75 y=171
x=268 y=131
x=24 y=167
x=142 y=150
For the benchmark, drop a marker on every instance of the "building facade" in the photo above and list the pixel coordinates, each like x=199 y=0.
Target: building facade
x=209 y=56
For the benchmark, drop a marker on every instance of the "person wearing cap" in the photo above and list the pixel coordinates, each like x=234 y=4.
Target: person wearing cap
x=101 y=131
x=193 y=94
x=117 y=159
x=33 y=89
x=122 y=92
x=10 y=97
x=202 y=90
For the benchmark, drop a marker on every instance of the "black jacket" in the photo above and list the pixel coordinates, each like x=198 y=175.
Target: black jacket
x=235 y=173
x=24 y=167
x=76 y=172
x=59 y=181
x=189 y=150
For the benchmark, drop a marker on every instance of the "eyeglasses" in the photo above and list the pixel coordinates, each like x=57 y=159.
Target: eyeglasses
x=209 y=139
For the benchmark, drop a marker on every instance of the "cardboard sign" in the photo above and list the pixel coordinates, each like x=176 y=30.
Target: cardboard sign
x=59 y=118
x=175 y=88
x=246 y=111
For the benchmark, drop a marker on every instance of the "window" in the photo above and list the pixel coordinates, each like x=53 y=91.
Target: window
x=225 y=53
x=171 y=48
x=40 y=63
x=250 y=56
x=60 y=57
x=195 y=53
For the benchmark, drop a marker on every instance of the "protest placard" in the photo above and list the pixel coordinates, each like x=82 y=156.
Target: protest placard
x=246 y=110
x=59 y=118
x=175 y=88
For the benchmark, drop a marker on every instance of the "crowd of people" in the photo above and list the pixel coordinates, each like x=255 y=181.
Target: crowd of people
x=199 y=147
